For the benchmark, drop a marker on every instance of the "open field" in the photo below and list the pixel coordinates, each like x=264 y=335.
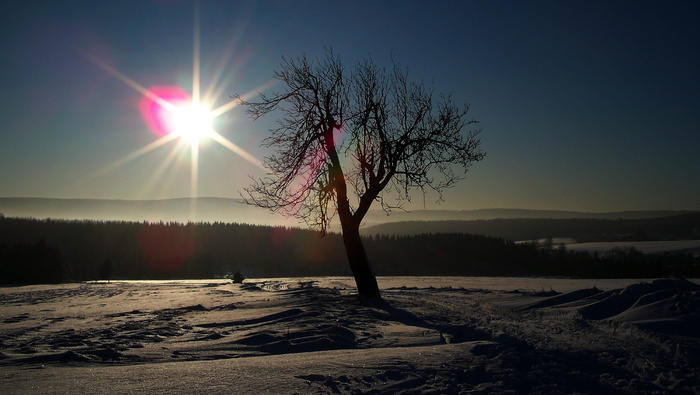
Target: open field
x=646 y=247
x=314 y=335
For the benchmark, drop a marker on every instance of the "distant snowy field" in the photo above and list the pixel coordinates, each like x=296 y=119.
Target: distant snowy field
x=646 y=247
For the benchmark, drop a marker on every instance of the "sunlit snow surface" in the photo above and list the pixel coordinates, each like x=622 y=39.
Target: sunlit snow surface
x=314 y=335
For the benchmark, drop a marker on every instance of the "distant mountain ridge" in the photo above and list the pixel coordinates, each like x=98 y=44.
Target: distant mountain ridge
x=211 y=209
x=671 y=227
x=506 y=213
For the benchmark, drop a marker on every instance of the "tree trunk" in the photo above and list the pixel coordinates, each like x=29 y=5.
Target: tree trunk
x=359 y=263
x=357 y=257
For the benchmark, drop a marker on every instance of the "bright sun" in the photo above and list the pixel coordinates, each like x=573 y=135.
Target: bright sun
x=172 y=113
x=192 y=122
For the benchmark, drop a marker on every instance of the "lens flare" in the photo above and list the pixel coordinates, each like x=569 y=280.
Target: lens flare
x=171 y=113
x=183 y=117
x=160 y=119
x=166 y=249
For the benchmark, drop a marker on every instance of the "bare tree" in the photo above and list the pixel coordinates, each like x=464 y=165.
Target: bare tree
x=346 y=140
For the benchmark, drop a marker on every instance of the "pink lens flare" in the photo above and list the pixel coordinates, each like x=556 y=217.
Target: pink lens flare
x=164 y=248
x=157 y=106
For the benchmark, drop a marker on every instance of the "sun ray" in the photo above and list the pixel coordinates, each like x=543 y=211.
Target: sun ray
x=216 y=88
x=194 y=167
x=196 y=73
x=196 y=57
x=128 y=158
x=194 y=175
x=237 y=150
x=225 y=108
x=146 y=149
x=158 y=175
x=218 y=84
x=235 y=102
x=129 y=82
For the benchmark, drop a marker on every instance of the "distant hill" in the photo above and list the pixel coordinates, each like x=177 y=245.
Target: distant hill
x=673 y=227
x=208 y=209
x=375 y=217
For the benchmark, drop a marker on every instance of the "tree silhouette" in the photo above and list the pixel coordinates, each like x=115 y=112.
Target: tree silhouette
x=348 y=139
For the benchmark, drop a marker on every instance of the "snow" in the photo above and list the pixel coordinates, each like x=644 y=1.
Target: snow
x=646 y=247
x=314 y=335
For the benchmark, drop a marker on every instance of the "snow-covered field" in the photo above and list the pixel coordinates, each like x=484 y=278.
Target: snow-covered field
x=313 y=335
x=647 y=247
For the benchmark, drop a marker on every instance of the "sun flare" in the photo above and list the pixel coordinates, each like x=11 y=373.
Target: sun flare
x=172 y=113
x=192 y=122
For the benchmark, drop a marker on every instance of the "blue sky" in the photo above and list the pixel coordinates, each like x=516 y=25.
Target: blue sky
x=584 y=105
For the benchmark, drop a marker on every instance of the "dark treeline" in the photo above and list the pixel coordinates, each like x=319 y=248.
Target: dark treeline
x=142 y=250
x=460 y=254
x=676 y=227
x=51 y=251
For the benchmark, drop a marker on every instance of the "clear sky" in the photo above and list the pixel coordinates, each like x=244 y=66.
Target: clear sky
x=584 y=105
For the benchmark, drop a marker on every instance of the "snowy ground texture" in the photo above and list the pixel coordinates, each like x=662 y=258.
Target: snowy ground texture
x=428 y=335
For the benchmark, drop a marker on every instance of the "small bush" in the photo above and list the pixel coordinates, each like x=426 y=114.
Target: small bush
x=237 y=278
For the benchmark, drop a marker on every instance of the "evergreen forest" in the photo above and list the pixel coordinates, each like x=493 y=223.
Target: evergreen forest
x=53 y=251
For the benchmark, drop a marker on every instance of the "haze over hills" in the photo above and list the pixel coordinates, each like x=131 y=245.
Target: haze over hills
x=229 y=210
x=167 y=210
x=379 y=216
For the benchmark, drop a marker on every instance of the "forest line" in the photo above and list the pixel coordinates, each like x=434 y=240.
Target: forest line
x=52 y=251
